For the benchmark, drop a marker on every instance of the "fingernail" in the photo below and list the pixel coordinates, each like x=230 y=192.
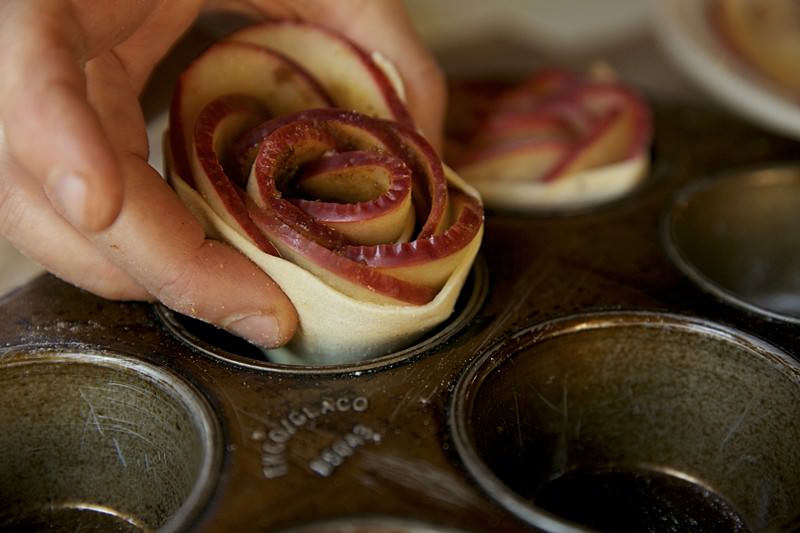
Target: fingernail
x=67 y=193
x=257 y=328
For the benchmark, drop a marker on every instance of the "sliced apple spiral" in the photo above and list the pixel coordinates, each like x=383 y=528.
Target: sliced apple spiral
x=313 y=169
x=555 y=140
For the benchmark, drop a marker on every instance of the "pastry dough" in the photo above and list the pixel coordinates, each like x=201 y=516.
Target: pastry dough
x=340 y=321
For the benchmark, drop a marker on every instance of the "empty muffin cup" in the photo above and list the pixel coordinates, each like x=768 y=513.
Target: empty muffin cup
x=370 y=525
x=738 y=237
x=634 y=422
x=97 y=442
x=219 y=344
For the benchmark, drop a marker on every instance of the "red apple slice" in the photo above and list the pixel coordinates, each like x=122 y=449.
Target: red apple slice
x=514 y=128
x=522 y=161
x=276 y=82
x=363 y=135
x=553 y=128
x=538 y=89
x=349 y=74
x=428 y=175
x=366 y=196
x=361 y=204
x=343 y=274
x=619 y=133
x=427 y=261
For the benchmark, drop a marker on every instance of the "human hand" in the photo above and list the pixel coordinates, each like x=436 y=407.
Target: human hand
x=76 y=192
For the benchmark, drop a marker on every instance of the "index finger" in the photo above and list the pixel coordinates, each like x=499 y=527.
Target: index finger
x=51 y=129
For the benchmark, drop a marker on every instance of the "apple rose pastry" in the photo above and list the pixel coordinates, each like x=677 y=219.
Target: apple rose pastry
x=294 y=145
x=555 y=140
x=764 y=34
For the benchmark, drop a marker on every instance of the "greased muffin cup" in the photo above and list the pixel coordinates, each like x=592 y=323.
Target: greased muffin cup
x=102 y=442
x=737 y=235
x=629 y=421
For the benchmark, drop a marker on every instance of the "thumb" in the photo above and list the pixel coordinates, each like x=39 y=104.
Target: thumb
x=50 y=127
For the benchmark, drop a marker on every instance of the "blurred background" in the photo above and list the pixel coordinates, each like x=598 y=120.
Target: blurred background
x=662 y=47
x=475 y=37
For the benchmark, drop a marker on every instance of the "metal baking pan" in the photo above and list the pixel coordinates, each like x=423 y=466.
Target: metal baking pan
x=594 y=356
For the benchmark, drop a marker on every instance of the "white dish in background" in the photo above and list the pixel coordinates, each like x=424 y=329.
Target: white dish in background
x=557 y=27
x=683 y=29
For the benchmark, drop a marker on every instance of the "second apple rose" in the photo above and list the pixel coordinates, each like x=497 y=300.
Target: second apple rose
x=556 y=140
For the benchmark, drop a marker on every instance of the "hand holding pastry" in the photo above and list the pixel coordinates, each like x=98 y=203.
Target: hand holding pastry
x=76 y=192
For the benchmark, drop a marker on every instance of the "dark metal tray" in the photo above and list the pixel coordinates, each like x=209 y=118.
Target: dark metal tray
x=203 y=435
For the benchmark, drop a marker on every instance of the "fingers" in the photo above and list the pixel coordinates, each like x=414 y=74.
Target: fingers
x=30 y=224
x=74 y=135
x=157 y=241
x=154 y=36
x=50 y=127
x=78 y=137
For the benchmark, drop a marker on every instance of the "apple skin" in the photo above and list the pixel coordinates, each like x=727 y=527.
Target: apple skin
x=408 y=272
x=555 y=126
x=220 y=120
x=237 y=68
x=350 y=277
x=366 y=196
x=263 y=131
x=621 y=131
x=427 y=261
x=347 y=72
x=508 y=128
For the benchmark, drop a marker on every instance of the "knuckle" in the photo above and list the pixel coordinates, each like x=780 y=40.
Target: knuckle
x=115 y=286
x=178 y=289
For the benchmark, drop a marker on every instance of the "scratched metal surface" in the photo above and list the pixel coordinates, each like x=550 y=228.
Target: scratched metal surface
x=302 y=448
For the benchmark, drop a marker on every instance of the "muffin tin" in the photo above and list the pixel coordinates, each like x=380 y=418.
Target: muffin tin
x=738 y=236
x=619 y=353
